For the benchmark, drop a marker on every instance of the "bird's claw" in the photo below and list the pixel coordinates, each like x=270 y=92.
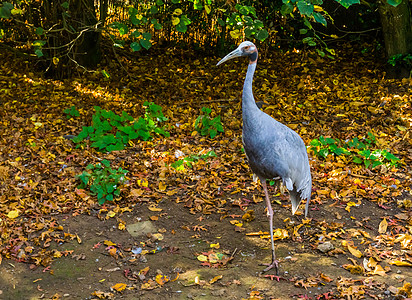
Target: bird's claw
x=273 y=264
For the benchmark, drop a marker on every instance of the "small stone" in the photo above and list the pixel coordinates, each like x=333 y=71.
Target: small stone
x=325 y=247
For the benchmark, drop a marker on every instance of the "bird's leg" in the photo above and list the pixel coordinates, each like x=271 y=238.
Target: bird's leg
x=275 y=262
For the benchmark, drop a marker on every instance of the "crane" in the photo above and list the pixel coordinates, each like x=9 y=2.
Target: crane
x=274 y=151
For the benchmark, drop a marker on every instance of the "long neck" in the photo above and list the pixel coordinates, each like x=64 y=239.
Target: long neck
x=248 y=101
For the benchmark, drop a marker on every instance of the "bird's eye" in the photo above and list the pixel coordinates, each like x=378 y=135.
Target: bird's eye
x=246 y=47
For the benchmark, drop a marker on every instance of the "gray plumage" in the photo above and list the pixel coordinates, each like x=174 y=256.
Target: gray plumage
x=274 y=151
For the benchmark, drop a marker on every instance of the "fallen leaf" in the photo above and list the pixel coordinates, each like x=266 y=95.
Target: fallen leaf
x=202 y=258
x=119 y=286
x=383 y=226
x=161 y=279
x=153 y=207
x=354 y=252
x=400 y=263
x=215 y=246
x=378 y=271
x=13 y=214
x=216 y=278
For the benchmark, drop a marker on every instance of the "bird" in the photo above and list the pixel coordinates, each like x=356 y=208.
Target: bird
x=273 y=150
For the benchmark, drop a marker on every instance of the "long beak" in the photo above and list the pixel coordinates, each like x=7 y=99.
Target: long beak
x=233 y=54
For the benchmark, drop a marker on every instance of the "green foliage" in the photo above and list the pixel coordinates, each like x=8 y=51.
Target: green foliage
x=404 y=60
x=323 y=147
x=394 y=3
x=102 y=180
x=347 y=3
x=360 y=151
x=6 y=10
x=245 y=19
x=71 y=112
x=110 y=132
x=180 y=164
x=208 y=126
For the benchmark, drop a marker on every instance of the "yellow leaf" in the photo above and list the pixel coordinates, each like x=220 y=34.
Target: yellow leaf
x=55 y=60
x=109 y=243
x=354 y=269
x=112 y=252
x=178 y=12
x=216 y=246
x=401 y=263
x=13 y=214
x=235 y=34
x=111 y=214
x=144 y=271
x=162 y=186
x=318 y=8
x=280 y=233
x=153 y=207
x=142 y=182
x=162 y=279
x=202 y=257
x=136 y=192
x=207 y=9
x=175 y=21
x=379 y=271
x=121 y=226
x=158 y=236
x=171 y=192
x=215 y=279
x=349 y=205
x=383 y=226
x=354 y=252
x=149 y=285
x=119 y=287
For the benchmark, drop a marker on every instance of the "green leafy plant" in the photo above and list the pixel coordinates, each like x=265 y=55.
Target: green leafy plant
x=244 y=21
x=110 y=132
x=360 y=151
x=323 y=147
x=71 y=112
x=180 y=164
x=102 y=180
x=401 y=59
x=208 y=126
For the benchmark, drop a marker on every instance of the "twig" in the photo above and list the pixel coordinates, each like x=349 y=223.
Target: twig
x=233 y=254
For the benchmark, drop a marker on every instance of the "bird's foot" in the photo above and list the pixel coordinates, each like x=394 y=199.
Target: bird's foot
x=273 y=264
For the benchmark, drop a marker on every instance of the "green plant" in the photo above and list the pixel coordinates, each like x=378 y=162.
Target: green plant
x=110 y=132
x=360 y=151
x=102 y=180
x=401 y=59
x=179 y=165
x=208 y=126
x=71 y=112
x=323 y=147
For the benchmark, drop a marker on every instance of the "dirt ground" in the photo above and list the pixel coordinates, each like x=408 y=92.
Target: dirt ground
x=90 y=268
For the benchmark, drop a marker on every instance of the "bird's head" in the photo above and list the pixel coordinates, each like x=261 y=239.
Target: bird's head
x=245 y=49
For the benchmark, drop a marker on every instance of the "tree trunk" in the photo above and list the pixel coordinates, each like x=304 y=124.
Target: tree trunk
x=88 y=52
x=397 y=33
